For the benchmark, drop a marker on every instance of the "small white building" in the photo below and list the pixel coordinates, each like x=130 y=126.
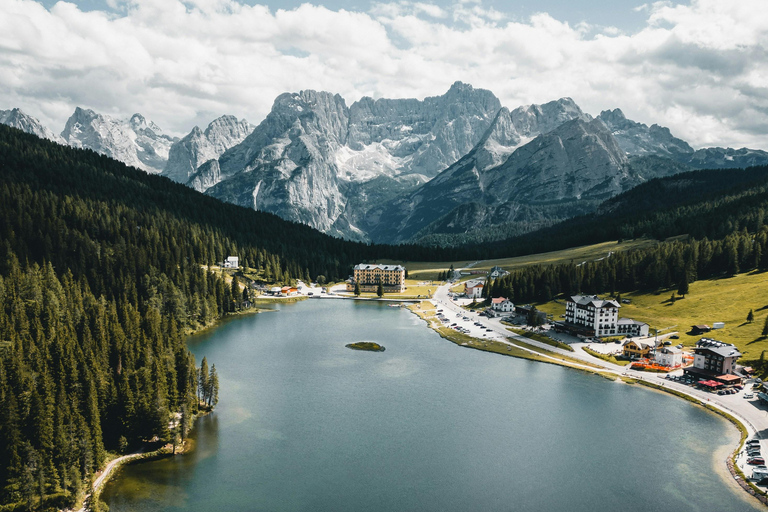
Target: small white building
x=473 y=289
x=630 y=327
x=232 y=262
x=502 y=304
x=669 y=356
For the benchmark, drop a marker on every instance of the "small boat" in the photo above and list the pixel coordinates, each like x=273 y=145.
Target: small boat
x=395 y=305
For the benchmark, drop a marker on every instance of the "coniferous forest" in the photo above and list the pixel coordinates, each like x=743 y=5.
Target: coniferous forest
x=103 y=270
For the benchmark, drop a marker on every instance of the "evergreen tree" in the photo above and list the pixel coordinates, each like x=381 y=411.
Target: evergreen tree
x=203 y=376
x=357 y=289
x=765 y=327
x=380 y=289
x=750 y=316
x=682 y=288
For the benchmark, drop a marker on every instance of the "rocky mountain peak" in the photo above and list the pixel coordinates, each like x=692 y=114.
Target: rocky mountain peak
x=637 y=139
x=532 y=120
x=18 y=119
x=187 y=155
x=135 y=142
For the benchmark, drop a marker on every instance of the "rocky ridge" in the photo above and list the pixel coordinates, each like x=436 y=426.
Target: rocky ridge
x=135 y=142
x=16 y=118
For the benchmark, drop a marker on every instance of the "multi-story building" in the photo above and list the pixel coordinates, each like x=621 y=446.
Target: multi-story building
x=592 y=315
x=231 y=262
x=369 y=275
x=714 y=356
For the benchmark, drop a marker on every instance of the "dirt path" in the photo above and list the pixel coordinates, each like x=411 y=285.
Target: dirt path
x=104 y=477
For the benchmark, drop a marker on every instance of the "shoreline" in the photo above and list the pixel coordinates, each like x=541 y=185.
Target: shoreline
x=113 y=467
x=742 y=424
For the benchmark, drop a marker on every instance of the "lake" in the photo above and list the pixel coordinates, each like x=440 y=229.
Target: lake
x=305 y=424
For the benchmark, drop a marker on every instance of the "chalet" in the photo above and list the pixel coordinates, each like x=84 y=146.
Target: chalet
x=497 y=272
x=502 y=304
x=635 y=349
x=699 y=329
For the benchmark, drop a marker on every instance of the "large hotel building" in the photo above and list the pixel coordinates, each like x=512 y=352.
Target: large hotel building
x=369 y=275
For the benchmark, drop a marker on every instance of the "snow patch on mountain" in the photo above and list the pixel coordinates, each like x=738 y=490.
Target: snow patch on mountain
x=16 y=118
x=135 y=141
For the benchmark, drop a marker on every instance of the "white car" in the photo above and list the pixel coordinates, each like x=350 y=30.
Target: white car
x=748 y=395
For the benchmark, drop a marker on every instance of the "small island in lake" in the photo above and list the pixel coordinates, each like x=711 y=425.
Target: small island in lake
x=366 y=345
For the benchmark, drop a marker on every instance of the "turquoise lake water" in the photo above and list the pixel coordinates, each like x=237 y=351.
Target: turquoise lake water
x=305 y=424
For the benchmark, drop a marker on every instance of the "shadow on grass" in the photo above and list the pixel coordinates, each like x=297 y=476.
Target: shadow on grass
x=756 y=340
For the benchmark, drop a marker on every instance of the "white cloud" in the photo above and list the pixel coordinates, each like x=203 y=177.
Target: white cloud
x=699 y=68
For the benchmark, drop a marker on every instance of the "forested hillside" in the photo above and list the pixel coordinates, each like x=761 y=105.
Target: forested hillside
x=102 y=272
x=709 y=203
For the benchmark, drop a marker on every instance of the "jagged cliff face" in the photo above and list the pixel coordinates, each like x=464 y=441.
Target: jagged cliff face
x=577 y=162
x=317 y=161
x=638 y=139
x=189 y=153
x=18 y=119
x=135 y=142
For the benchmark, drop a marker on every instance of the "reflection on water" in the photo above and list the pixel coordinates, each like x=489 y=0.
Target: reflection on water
x=305 y=424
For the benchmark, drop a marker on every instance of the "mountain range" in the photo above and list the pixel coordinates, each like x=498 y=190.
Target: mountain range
x=440 y=170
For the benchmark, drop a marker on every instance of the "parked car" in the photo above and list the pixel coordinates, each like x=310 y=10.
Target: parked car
x=667 y=343
x=755 y=460
x=674 y=337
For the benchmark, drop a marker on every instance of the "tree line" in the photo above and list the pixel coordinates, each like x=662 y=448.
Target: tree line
x=665 y=265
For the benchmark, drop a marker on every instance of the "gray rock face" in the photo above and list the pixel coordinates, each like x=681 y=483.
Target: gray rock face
x=135 y=142
x=18 y=119
x=207 y=175
x=637 y=139
x=198 y=147
x=313 y=158
x=556 y=175
x=726 y=158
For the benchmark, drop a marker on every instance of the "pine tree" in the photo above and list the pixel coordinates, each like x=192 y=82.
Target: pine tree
x=682 y=288
x=380 y=290
x=357 y=289
x=750 y=316
x=765 y=327
x=202 y=386
x=213 y=383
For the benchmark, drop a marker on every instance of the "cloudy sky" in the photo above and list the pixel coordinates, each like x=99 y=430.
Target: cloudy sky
x=698 y=67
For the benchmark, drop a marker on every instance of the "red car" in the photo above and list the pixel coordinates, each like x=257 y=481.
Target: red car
x=756 y=460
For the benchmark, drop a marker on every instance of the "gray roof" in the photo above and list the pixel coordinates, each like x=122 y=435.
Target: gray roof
x=583 y=300
x=371 y=266
x=718 y=347
x=629 y=321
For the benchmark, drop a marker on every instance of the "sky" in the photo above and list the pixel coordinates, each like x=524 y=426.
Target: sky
x=698 y=67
